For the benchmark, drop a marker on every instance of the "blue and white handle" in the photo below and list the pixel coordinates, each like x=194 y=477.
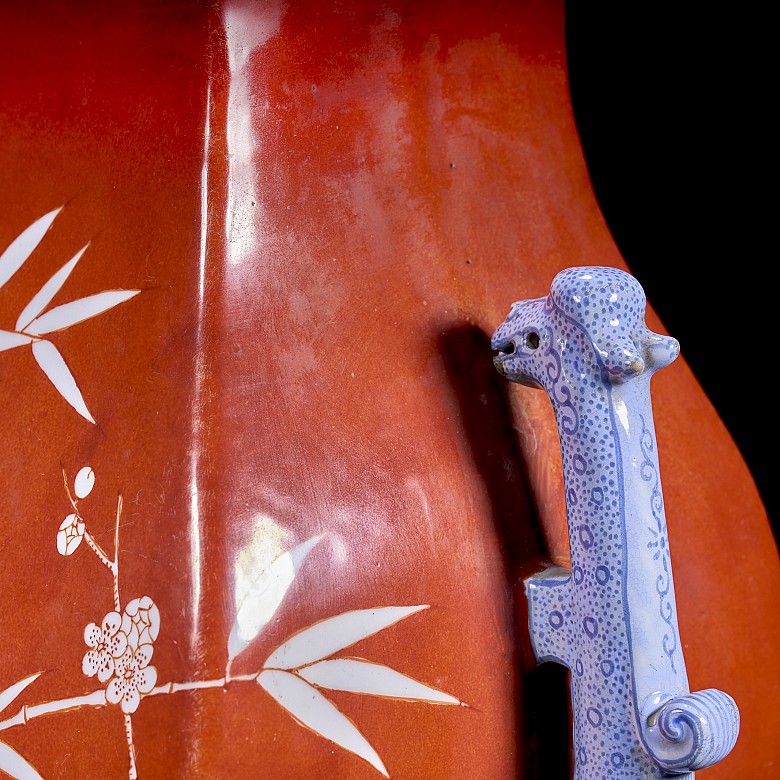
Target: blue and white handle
x=612 y=619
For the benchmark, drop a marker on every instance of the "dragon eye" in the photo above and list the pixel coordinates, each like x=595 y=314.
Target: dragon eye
x=532 y=340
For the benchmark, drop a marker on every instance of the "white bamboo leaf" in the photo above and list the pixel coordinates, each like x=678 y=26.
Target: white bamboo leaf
x=264 y=595
x=53 y=365
x=42 y=298
x=22 y=247
x=14 y=765
x=334 y=634
x=9 y=339
x=358 y=676
x=10 y=693
x=68 y=314
x=310 y=708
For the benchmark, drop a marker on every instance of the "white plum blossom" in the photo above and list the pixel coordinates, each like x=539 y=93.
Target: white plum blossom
x=133 y=677
x=107 y=644
x=121 y=649
x=141 y=622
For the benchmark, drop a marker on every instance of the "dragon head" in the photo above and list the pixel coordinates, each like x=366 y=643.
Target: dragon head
x=594 y=318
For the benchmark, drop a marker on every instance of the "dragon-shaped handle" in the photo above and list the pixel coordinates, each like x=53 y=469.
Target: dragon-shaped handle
x=612 y=619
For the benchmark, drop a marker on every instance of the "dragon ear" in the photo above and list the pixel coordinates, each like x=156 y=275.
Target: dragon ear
x=624 y=356
x=620 y=357
x=659 y=351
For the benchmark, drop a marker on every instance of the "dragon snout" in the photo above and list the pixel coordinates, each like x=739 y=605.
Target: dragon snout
x=500 y=337
x=505 y=346
x=512 y=356
x=504 y=350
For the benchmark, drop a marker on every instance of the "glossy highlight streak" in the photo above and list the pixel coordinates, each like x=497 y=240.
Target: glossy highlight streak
x=195 y=529
x=247 y=25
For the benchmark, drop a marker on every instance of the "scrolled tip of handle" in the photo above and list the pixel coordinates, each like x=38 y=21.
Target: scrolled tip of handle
x=693 y=731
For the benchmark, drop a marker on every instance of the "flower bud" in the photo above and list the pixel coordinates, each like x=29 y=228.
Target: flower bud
x=70 y=534
x=85 y=481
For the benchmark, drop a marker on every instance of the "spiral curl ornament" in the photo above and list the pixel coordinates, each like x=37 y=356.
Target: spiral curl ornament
x=692 y=732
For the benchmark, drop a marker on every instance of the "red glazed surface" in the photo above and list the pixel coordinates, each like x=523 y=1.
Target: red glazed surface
x=327 y=211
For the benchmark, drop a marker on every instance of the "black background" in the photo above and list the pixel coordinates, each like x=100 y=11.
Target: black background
x=672 y=104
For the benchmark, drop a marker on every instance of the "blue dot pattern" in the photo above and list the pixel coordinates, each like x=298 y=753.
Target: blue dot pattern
x=578 y=343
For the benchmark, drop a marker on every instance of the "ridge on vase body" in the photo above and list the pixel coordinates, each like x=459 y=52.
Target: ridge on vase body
x=612 y=620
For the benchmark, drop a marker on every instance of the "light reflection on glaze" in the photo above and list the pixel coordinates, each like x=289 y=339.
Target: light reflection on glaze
x=248 y=25
x=261 y=588
x=194 y=530
x=267 y=542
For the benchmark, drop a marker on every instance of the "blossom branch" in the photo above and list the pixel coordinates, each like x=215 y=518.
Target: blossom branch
x=194 y=685
x=115 y=567
x=28 y=712
x=98 y=699
x=98 y=550
x=133 y=770
x=70 y=495
x=82 y=490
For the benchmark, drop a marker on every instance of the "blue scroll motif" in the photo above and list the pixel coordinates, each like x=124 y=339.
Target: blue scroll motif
x=660 y=545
